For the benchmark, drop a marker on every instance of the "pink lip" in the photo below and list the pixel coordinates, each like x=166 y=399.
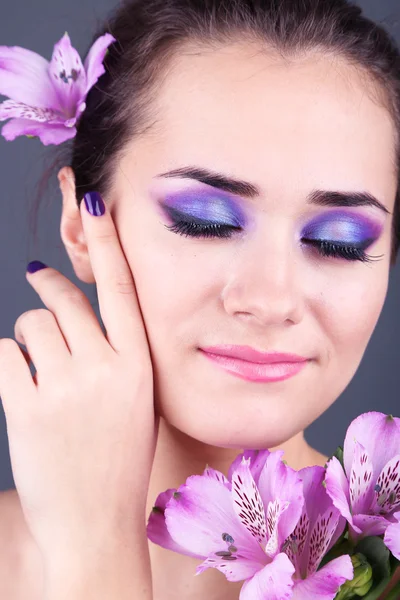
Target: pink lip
x=252 y=365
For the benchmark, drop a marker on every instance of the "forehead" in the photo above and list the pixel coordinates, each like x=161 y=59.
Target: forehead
x=309 y=122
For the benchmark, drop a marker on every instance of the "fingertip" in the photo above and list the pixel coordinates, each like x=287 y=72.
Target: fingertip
x=34 y=266
x=94 y=204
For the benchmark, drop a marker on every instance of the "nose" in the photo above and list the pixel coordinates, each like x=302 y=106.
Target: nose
x=264 y=283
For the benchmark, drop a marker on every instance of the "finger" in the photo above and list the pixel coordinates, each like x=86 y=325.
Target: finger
x=76 y=318
x=43 y=339
x=16 y=383
x=118 y=303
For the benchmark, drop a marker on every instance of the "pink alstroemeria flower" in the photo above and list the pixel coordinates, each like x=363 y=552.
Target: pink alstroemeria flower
x=392 y=536
x=317 y=531
x=241 y=525
x=367 y=491
x=46 y=98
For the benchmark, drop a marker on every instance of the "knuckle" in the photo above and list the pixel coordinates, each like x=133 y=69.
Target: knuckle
x=36 y=316
x=105 y=236
x=8 y=345
x=73 y=295
x=124 y=285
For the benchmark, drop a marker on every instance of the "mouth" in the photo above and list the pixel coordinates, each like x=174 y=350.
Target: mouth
x=252 y=365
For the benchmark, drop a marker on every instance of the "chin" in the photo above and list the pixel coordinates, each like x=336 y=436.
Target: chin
x=233 y=433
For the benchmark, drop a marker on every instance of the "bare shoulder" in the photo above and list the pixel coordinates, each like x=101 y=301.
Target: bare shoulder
x=20 y=565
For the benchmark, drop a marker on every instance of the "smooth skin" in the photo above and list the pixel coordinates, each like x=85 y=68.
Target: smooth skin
x=287 y=127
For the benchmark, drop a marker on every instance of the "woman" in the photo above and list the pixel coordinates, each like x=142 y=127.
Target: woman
x=247 y=152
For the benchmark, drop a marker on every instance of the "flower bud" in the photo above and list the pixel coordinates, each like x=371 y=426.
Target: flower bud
x=362 y=581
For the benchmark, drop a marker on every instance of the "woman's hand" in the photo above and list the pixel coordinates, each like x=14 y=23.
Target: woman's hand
x=82 y=431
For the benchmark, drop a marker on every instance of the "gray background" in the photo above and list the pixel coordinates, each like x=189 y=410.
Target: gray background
x=38 y=25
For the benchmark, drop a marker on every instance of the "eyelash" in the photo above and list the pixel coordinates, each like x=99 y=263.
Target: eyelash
x=216 y=230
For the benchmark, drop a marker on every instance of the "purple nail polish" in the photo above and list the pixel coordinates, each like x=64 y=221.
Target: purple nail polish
x=94 y=204
x=35 y=265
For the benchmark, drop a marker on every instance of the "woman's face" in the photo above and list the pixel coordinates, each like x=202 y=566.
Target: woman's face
x=288 y=130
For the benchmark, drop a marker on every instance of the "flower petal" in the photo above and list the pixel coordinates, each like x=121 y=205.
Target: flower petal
x=24 y=77
x=248 y=504
x=234 y=568
x=278 y=481
x=157 y=531
x=200 y=517
x=94 y=61
x=392 y=537
x=68 y=76
x=257 y=462
x=320 y=537
x=337 y=487
x=323 y=519
x=325 y=583
x=387 y=489
x=380 y=436
x=273 y=582
x=48 y=134
x=9 y=109
x=214 y=474
x=361 y=482
x=370 y=524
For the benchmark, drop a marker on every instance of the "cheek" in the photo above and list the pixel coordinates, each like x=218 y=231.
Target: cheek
x=350 y=310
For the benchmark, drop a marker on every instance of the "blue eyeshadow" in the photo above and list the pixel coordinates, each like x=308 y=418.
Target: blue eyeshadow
x=345 y=227
x=206 y=206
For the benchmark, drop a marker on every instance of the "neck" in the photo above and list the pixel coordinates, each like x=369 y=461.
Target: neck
x=179 y=456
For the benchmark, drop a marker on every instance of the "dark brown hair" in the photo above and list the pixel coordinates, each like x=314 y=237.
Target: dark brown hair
x=150 y=33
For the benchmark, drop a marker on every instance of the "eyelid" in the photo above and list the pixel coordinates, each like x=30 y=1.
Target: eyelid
x=210 y=208
x=356 y=227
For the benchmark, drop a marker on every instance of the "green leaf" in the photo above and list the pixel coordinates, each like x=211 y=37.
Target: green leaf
x=339 y=455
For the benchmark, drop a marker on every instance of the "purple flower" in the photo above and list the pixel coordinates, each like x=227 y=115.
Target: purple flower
x=367 y=491
x=254 y=526
x=392 y=536
x=318 y=529
x=46 y=98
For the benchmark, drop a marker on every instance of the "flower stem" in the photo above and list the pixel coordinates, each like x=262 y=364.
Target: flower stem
x=394 y=593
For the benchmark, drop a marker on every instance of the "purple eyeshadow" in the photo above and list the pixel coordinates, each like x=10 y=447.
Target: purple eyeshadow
x=344 y=227
x=206 y=206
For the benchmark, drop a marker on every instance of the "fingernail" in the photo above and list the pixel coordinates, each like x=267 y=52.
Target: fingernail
x=35 y=265
x=94 y=204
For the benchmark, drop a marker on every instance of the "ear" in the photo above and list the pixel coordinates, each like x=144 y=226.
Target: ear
x=71 y=229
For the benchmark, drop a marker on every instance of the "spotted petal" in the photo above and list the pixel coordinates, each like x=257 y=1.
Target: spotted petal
x=24 y=77
x=214 y=474
x=248 y=503
x=325 y=583
x=319 y=527
x=257 y=462
x=9 y=109
x=337 y=486
x=278 y=481
x=379 y=434
x=273 y=582
x=361 y=482
x=392 y=537
x=235 y=568
x=387 y=488
x=68 y=76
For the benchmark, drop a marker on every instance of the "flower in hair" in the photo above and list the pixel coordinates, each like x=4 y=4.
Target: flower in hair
x=46 y=98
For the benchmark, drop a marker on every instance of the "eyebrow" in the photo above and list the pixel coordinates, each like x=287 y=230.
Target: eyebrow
x=249 y=190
